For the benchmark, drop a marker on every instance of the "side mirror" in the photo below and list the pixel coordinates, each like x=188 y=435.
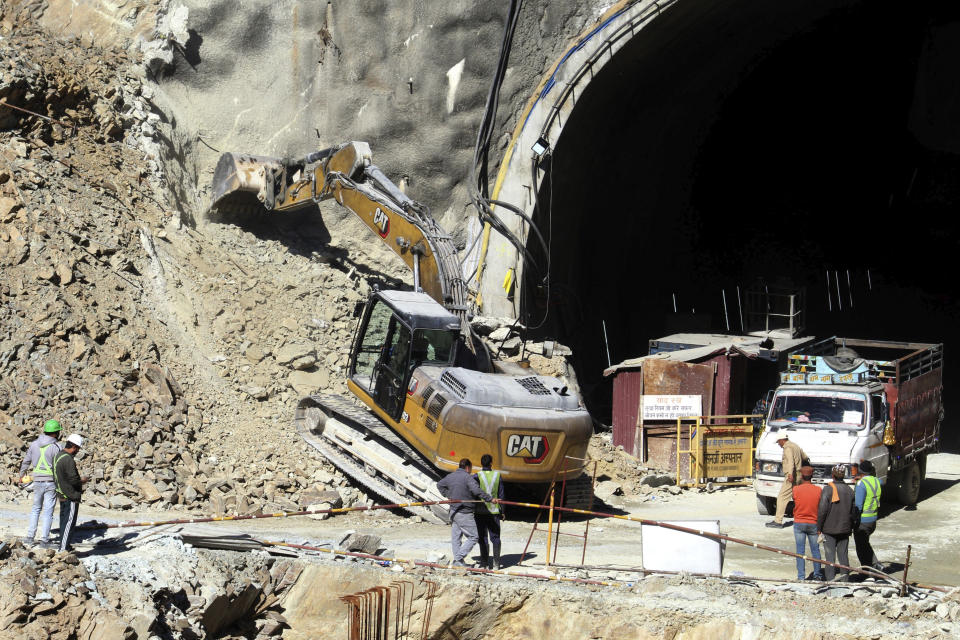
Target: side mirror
x=878 y=427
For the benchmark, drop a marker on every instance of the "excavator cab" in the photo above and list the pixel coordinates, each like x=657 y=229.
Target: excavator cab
x=398 y=332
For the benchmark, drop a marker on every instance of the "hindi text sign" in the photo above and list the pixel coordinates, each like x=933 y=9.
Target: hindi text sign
x=670 y=407
x=727 y=451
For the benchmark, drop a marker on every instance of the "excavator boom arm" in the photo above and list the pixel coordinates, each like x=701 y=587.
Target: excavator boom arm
x=346 y=175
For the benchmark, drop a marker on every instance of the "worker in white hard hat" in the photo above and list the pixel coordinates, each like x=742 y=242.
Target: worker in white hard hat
x=69 y=487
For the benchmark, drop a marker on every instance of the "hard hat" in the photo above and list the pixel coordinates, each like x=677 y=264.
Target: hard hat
x=51 y=426
x=74 y=438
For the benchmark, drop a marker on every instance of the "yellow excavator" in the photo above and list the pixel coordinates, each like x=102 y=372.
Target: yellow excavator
x=432 y=391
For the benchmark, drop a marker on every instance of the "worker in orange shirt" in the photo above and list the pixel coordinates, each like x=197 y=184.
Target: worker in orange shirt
x=806 y=498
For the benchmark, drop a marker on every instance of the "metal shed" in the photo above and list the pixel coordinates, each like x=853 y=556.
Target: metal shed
x=729 y=374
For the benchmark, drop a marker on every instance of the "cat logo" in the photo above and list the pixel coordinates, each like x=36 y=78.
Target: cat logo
x=533 y=449
x=382 y=222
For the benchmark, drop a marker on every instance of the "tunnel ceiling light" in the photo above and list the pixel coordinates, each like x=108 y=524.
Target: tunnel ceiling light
x=540 y=148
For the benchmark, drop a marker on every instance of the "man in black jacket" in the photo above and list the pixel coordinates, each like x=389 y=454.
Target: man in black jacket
x=835 y=522
x=69 y=487
x=461 y=485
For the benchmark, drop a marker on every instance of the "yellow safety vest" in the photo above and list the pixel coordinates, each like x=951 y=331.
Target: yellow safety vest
x=871 y=501
x=43 y=467
x=490 y=483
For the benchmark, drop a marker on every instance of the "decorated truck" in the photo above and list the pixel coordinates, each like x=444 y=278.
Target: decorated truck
x=845 y=400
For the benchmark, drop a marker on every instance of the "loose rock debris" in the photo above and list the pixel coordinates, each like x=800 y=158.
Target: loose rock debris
x=167 y=589
x=133 y=330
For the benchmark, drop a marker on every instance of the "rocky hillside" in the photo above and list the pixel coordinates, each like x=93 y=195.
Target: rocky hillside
x=177 y=355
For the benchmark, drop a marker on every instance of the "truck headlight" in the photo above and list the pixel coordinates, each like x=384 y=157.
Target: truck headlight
x=770 y=467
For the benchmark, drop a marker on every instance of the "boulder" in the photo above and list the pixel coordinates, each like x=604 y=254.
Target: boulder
x=256 y=392
x=148 y=490
x=254 y=354
x=361 y=543
x=120 y=502
x=315 y=494
x=294 y=351
x=319 y=506
x=307 y=382
x=657 y=480
x=607 y=489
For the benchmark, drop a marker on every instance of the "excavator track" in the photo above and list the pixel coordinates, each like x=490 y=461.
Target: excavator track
x=371 y=454
x=578 y=493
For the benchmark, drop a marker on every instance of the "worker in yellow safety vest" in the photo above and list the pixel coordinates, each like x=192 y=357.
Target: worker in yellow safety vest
x=489 y=514
x=39 y=461
x=867 y=501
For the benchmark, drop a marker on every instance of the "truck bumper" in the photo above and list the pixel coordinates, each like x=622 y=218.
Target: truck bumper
x=767 y=486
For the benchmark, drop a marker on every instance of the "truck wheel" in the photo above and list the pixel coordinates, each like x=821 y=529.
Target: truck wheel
x=766 y=506
x=922 y=461
x=909 y=489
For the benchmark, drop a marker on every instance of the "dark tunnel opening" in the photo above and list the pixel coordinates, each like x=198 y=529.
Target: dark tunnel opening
x=723 y=147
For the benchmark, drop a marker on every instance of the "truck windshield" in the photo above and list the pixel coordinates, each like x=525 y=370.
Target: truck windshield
x=432 y=346
x=819 y=407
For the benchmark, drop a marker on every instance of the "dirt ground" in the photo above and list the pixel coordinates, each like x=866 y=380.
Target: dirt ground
x=485 y=606
x=929 y=529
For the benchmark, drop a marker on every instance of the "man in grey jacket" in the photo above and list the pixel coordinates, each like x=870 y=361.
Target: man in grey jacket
x=461 y=485
x=39 y=464
x=835 y=522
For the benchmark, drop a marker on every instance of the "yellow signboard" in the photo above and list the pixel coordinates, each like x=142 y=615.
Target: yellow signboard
x=725 y=451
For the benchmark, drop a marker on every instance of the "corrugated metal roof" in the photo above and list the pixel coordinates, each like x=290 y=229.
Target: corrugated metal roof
x=714 y=344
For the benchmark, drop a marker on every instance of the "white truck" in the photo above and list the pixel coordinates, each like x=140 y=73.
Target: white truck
x=846 y=400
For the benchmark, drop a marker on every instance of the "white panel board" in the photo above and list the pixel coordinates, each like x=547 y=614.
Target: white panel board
x=671 y=407
x=670 y=550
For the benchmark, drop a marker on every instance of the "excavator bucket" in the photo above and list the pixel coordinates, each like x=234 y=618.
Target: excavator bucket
x=240 y=180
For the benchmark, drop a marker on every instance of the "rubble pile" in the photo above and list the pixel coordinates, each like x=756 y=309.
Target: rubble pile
x=44 y=594
x=160 y=345
x=505 y=340
x=622 y=477
x=72 y=222
x=167 y=589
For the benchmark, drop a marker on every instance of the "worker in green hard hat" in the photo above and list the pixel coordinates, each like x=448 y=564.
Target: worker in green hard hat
x=39 y=463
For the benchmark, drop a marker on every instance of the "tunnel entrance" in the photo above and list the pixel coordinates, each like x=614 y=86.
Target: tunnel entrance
x=720 y=148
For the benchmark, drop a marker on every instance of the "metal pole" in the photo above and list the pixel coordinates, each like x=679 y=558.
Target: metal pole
x=829 y=296
x=743 y=328
x=416 y=272
x=550 y=526
x=563 y=495
x=836 y=278
x=593 y=499
x=849 y=288
x=606 y=342
x=906 y=567
x=726 y=316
